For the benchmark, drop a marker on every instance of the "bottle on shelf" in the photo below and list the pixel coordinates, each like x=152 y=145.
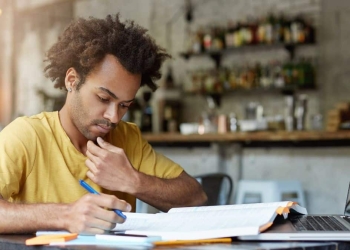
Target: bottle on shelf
x=253 y=27
x=278 y=29
x=300 y=112
x=296 y=74
x=297 y=30
x=269 y=33
x=147 y=113
x=208 y=40
x=278 y=81
x=229 y=34
x=218 y=42
x=289 y=116
x=237 y=35
x=266 y=80
x=134 y=113
x=309 y=73
x=171 y=115
x=306 y=73
x=287 y=36
x=270 y=29
x=261 y=31
x=287 y=70
x=197 y=46
x=169 y=80
x=309 y=32
x=245 y=34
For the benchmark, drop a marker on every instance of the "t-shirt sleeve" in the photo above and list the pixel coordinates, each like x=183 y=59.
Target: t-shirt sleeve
x=145 y=159
x=156 y=164
x=15 y=159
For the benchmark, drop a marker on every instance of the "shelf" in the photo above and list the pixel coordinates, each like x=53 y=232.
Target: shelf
x=216 y=55
x=217 y=96
x=254 y=139
x=284 y=90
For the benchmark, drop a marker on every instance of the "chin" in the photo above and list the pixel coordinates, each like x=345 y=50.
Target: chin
x=91 y=136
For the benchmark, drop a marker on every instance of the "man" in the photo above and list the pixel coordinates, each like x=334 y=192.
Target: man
x=102 y=64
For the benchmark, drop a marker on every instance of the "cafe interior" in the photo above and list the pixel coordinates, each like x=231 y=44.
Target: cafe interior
x=255 y=101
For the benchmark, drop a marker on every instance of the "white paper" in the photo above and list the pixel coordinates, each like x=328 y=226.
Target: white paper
x=201 y=224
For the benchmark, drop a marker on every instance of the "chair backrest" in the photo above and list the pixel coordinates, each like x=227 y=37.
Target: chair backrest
x=217 y=186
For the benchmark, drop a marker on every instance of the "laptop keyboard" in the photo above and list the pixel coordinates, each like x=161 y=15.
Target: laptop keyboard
x=317 y=223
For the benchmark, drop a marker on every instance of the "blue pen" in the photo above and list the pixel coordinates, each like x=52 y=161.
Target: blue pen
x=93 y=191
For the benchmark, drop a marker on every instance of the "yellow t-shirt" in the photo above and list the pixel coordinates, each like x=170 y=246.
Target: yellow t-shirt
x=39 y=164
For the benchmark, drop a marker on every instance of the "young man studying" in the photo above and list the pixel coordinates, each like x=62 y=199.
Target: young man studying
x=101 y=63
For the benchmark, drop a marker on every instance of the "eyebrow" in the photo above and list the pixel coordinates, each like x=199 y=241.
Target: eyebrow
x=112 y=94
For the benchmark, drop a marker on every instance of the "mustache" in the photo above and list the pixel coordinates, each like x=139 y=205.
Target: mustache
x=105 y=122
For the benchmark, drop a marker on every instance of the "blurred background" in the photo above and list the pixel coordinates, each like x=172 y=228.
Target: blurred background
x=239 y=68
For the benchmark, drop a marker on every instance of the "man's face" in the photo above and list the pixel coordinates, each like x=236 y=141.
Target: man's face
x=103 y=99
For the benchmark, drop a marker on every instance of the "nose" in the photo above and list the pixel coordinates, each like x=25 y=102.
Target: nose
x=112 y=113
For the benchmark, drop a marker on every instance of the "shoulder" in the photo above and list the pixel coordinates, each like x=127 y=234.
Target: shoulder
x=29 y=126
x=43 y=119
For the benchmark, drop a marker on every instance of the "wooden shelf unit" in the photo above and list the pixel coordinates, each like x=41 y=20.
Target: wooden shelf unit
x=262 y=138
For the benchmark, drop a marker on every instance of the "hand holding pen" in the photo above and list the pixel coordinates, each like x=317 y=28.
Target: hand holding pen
x=93 y=191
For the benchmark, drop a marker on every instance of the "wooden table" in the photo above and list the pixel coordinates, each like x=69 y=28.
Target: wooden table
x=17 y=242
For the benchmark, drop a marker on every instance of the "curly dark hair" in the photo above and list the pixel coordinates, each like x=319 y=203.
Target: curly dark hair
x=85 y=43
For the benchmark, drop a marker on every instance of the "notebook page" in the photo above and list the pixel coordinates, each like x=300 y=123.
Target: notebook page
x=205 y=224
x=134 y=220
x=229 y=207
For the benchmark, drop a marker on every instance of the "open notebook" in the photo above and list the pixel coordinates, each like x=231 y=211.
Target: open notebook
x=194 y=223
x=309 y=227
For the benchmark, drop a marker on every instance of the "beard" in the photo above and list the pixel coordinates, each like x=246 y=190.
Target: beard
x=80 y=115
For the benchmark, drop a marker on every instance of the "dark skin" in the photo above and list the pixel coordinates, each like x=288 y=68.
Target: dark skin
x=87 y=116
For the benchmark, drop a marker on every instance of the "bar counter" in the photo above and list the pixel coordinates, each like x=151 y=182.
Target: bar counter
x=316 y=138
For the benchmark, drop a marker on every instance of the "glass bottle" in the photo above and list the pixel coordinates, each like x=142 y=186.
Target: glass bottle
x=135 y=113
x=147 y=113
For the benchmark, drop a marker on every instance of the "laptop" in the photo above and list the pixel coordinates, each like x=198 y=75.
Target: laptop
x=308 y=227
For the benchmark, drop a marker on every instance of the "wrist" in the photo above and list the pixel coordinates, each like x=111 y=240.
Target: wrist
x=136 y=186
x=63 y=217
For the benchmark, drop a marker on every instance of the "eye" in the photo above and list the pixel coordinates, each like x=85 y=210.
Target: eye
x=103 y=99
x=124 y=106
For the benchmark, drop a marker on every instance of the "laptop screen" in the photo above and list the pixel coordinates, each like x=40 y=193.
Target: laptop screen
x=347 y=204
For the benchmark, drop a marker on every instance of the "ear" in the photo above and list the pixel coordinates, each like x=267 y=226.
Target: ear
x=71 y=79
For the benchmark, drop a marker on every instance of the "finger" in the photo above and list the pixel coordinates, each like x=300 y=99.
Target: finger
x=112 y=202
x=106 y=145
x=110 y=217
x=91 y=166
x=102 y=223
x=94 y=149
x=97 y=220
x=91 y=176
x=93 y=231
x=96 y=158
x=98 y=215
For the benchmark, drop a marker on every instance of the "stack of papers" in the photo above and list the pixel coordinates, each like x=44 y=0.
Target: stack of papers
x=190 y=225
x=126 y=240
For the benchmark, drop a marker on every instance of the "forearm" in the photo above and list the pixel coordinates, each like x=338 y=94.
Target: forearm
x=26 y=218
x=164 y=194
